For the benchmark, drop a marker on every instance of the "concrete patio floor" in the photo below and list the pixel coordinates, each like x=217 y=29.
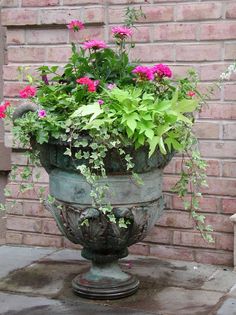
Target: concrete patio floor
x=37 y=281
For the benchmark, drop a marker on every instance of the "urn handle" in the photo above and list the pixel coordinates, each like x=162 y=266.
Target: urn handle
x=22 y=110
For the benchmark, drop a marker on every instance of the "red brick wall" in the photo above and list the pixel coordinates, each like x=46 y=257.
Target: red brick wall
x=186 y=33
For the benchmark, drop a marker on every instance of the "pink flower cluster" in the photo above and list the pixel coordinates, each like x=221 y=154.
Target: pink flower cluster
x=144 y=73
x=191 y=93
x=3 y=108
x=91 y=85
x=28 y=91
x=149 y=73
x=162 y=71
x=75 y=25
x=121 y=31
x=94 y=44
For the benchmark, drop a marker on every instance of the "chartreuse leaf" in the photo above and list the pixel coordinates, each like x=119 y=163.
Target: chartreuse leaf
x=162 y=146
x=86 y=110
x=153 y=144
x=163 y=105
x=185 y=106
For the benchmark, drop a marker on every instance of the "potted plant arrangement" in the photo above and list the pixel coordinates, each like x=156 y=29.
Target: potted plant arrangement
x=104 y=128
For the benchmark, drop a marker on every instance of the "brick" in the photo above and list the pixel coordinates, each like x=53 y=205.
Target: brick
x=19 y=17
x=209 y=89
x=212 y=71
x=11 y=73
x=42 y=240
x=207 y=204
x=160 y=235
x=158 y=13
x=214 y=257
x=216 y=31
x=230 y=11
x=229 y=130
x=82 y=2
x=121 y=1
x=213 y=167
x=153 y=14
x=175 y=32
x=220 y=222
x=230 y=51
x=153 y=53
x=29 y=194
x=229 y=205
x=24 y=224
x=50 y=227
x=169 y=181
x=40 y=175
x=172 y=252
x=139 y=249
x=11 y=89
x=141 y=34
x=230 y=92
x=35 y=209
x=180 y=71
x=198 y=11
x=167 y=201
x=14 y=238
x=218 y=149
x=178 y=219
x=9 y=3
x=41 y=3
x=170 y=168
x=224 y=241
x=88 y=33
x=19 y=158
x=229 y=169
x=58 y=54
x=59 y=16
x=47 y=36
x=14 y=207
x=15 y=37
x=218 y=111
x=201 y=52
x=191 y=239
x=207 y=130
x=220 y=186
x=26 y=54
x=94 y=15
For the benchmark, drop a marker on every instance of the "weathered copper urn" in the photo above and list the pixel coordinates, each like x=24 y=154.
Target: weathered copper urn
x=105 y=242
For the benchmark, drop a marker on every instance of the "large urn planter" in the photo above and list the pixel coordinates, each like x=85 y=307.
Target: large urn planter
x=104 y=242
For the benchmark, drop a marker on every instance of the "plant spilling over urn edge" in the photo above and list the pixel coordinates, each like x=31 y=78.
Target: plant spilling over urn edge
x=101 y=102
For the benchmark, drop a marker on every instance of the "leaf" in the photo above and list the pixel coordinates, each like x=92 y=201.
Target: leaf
x=162 y=146
x=163 y=105
x=149 y=133
x=86 y=110
x=152 y=144
x=185 y=106
x=131 y=120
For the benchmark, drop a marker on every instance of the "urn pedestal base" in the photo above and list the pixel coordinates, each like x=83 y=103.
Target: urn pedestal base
x=105 y=281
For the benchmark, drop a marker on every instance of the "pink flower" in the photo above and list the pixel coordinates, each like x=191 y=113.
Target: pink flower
x=111 y=86
x=28 y=91
x=121 y=31
x=3 y=108
x=42 y=113
x=88 y=82
x=94 y=44
x=191 y=93
x=100 y=102
x=75 y=25
x=144 y=73
x=162 y=70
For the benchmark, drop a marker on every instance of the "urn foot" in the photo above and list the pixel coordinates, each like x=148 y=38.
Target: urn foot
x=105 y=282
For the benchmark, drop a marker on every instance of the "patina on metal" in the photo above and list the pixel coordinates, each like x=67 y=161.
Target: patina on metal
x=103 y=241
